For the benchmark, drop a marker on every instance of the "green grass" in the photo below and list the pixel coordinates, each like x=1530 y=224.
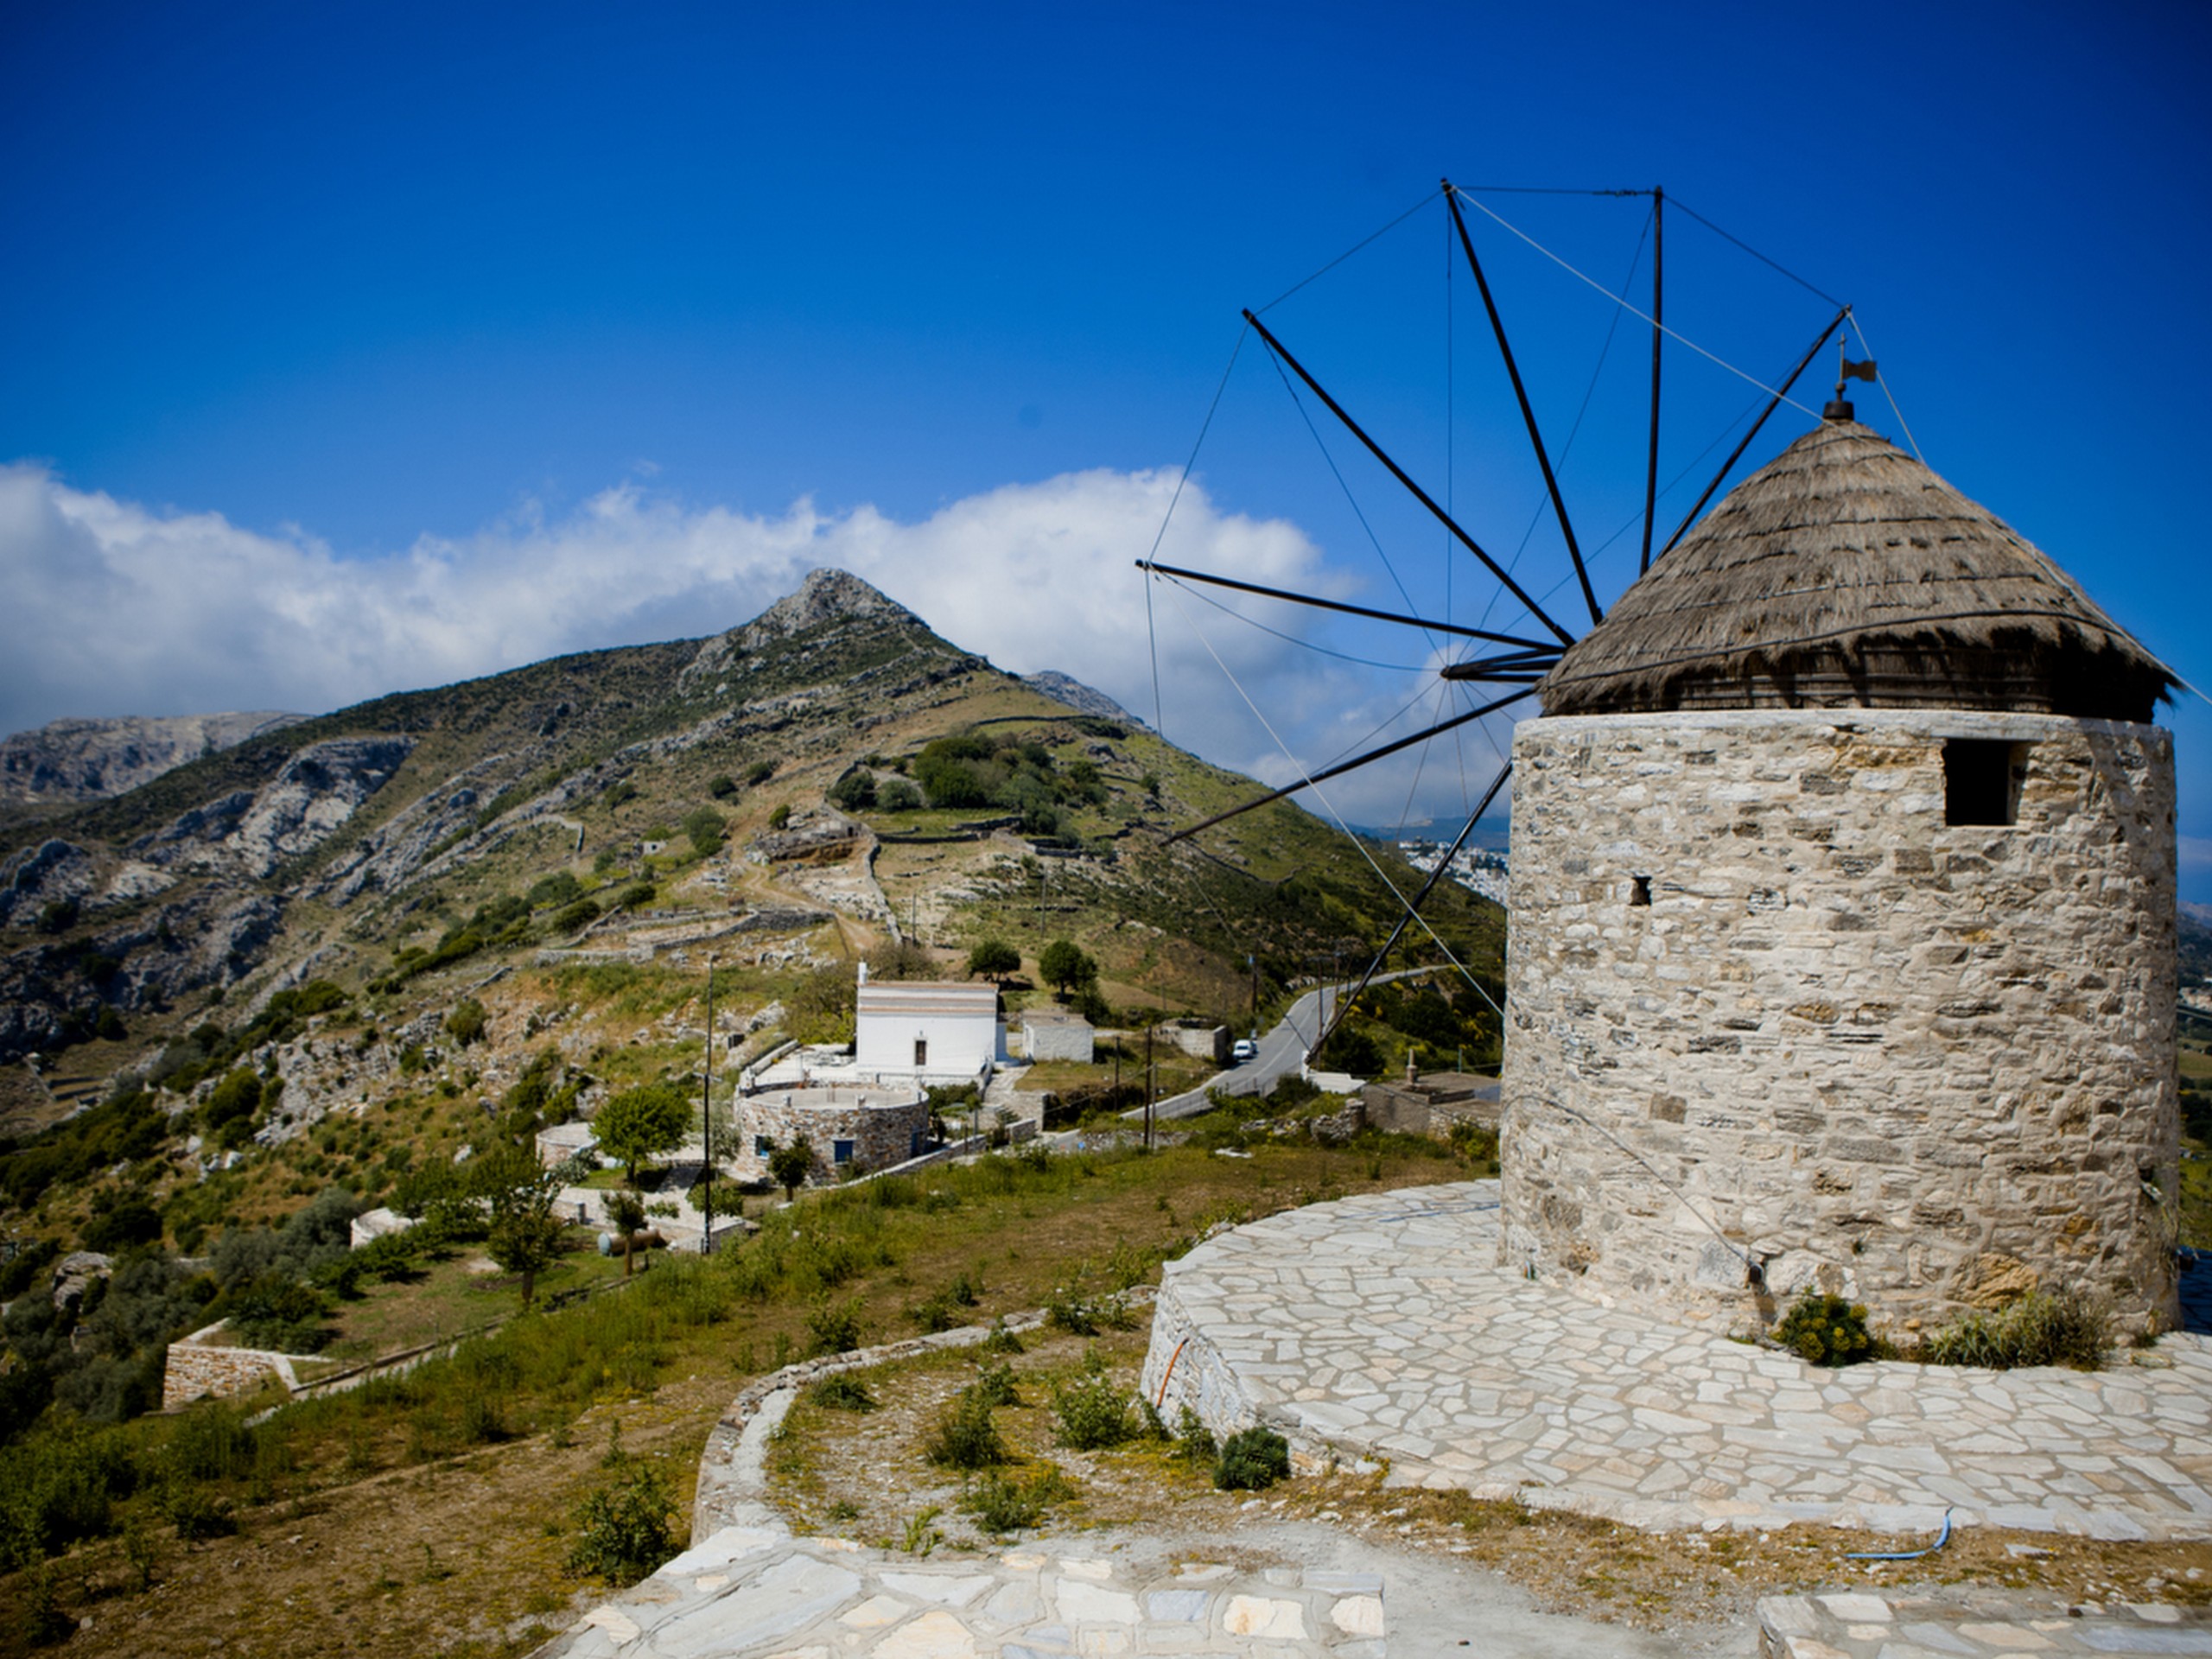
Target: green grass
x=455 y=1295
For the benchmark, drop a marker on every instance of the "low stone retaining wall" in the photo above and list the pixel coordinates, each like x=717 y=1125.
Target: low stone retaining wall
x=747 y=1587
x=196 y=1370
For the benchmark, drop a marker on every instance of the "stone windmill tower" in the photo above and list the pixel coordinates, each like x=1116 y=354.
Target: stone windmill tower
x=1843 y=919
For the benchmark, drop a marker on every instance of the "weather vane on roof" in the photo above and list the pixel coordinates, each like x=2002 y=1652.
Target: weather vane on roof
x=1838 y=409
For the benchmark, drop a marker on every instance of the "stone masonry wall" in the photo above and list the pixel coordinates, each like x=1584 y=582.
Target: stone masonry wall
x=881 y=1124
x=192 y=1372
x=1922 y=1066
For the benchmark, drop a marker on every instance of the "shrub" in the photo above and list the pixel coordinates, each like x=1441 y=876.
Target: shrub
x=1070 y=1311
x=2061 y=1327
x=622 y=1531
x=40 y=1620
x=236 y=1097
x=277 y=1312
x=1475 y=1142
x=1825 y=1329
x=996 y=1385
x=636 y=895
x=1194 y=1441
x=834 y=1326
x=467 y=1022
x=389 y=1257
x=935 y=1314
x=759 y=772
x=483 y=1420
x=120 y=1225
x=582 y=913
x=1094 y=1412
x=966 y=1436
x=1001 y=1340
x=196 y=1516
x=558 y=888
x=1252 y=1459
x=703 y=825
x=843 y=1391
x=1001 y=1504
x=211 y=1442
x=721 y=788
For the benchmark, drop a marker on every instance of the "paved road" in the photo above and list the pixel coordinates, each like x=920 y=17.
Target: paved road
x=1282 y=1051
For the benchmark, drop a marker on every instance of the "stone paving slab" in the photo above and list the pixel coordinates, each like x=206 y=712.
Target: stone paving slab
x=1994 y=1624
x=750 y=1590
x=1378 y=1327
x=753 y=1591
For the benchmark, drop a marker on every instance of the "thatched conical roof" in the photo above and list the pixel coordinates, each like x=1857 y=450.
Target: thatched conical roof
x=1845 y=573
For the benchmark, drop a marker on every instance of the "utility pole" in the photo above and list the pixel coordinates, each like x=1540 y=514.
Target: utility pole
x=1149 y=1081
x=707 y=1123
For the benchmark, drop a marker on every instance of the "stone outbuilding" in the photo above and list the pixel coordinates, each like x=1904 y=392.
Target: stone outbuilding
x=558 y=1142
x=851 y=1130
x=1843 y=921
x=1057 y=1034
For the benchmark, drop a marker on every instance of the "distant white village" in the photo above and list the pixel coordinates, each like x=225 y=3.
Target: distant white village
x=1478 y=871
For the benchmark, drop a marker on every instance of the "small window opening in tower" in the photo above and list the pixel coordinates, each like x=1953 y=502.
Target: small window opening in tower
x=1981 y=780
x=921 y=1050
x=1641 y=892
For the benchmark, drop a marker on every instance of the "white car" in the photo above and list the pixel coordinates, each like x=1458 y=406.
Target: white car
x=1245 y=1049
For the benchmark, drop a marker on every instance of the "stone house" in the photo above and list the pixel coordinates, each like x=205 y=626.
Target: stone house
x=850 y=1129
x=1843 y=919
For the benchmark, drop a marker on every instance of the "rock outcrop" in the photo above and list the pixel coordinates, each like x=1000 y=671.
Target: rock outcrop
x=253 y=831
x=1064 y=688
x=92 y=759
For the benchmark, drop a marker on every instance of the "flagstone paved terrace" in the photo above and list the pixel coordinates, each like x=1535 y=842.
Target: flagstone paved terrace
x=1377 y=1327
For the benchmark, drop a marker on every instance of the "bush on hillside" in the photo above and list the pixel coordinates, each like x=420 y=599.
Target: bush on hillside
x=622 y=1528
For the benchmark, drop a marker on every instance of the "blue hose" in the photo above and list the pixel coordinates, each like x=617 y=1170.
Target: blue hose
x=1942 y=1539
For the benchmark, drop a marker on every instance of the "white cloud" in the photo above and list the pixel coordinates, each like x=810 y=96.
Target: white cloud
x=117 y=608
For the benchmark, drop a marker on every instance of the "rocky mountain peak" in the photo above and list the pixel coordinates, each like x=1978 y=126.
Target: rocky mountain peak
x=825 y=597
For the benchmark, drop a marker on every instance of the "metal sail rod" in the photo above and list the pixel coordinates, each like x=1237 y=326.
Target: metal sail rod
x=1412 y=908
x=1535 y=664
x=1343 y=767
x=1737 y=453
x=1399 y=473
x=1520 y=392
x=1349 y=610
x=1658 y=336
x=1505 y=671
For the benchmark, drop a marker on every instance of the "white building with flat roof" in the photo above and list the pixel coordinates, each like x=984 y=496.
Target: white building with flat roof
x=927 y=1028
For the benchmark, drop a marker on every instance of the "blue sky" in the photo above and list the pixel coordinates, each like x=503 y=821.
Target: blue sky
x=353 y=346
